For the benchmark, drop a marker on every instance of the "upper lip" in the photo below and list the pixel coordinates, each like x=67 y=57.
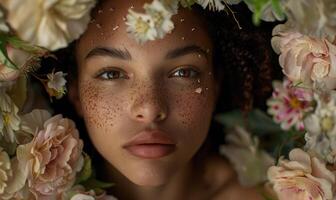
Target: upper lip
x=150 y=137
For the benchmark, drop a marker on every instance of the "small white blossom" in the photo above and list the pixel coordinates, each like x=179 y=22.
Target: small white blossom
x=214 y=5
x=161 y=17
x=56 y=84
x=141 y=26
x=321 y=128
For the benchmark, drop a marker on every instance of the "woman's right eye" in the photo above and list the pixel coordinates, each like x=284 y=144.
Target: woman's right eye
x=112 y=74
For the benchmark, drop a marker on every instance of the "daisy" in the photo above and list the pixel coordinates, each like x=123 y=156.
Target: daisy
x=161 y=17
x=214 y=5
x=288 y=104
x=141 y=26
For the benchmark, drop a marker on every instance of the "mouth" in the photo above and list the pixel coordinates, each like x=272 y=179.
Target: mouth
x=151 y=145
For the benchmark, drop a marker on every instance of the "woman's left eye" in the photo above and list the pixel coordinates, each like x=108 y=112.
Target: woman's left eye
x=185 y=73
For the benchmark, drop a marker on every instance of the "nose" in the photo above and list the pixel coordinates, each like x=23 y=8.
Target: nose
x=148 y=106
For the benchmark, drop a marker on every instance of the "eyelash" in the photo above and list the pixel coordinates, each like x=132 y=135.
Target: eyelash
x=105 y=74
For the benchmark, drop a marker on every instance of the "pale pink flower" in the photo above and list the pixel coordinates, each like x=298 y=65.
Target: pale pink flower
x=289 y=104
x=80 y=194
x=301 y=177
x=305 y=59
x=52 y=159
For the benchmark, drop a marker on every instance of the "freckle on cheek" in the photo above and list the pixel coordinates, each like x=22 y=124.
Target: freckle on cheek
x=100 y=110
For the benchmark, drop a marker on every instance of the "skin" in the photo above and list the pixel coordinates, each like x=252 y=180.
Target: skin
x=148 y=90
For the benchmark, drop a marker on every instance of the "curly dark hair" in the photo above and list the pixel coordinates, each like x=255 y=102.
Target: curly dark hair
x=242 y=62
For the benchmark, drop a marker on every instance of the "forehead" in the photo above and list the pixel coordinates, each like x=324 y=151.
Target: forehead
x=108 y=28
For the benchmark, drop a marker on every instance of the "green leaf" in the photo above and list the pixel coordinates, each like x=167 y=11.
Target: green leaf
x=276 y=7
x=26 y=46
x=187 y=3
x=93 y=184
x=4 y=59
x=258 y=121
x=86 y=172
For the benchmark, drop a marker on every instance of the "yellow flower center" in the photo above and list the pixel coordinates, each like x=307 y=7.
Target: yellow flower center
x=6 y=118
x=141 y=26
x=295 y=103
x=327 y=124
x=157 y=18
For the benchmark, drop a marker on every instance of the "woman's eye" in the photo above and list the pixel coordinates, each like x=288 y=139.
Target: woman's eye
x=185 y=73
x=112 y=74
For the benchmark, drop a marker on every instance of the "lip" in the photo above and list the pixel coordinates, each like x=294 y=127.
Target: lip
x=151 y=145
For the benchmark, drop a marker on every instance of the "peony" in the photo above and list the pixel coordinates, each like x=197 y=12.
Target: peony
x=52 y=159
x=305 y=59
x=301 y=177
x=315 y=18
x=289 y=104
x=249 y=162
x=50 y=24
x=78 y=193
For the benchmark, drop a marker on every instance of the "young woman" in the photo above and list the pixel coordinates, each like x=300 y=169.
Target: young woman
x=148 y=108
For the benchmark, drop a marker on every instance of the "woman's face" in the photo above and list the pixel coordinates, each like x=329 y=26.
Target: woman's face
x=163 y=90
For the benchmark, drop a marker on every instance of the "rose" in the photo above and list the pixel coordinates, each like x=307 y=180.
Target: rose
x=301 y=177
x=305 y=59
x=52 y=159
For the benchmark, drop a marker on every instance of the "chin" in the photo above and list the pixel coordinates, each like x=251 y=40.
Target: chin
x=149 y=174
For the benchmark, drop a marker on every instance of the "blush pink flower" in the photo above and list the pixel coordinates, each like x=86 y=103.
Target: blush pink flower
x=289 y=104
x=301 y=177
x=53 y=158
x=305 y=59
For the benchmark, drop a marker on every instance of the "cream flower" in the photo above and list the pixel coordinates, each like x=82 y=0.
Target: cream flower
x=3 y=26
x=304 y=59
x=11 y=179
x=141 y=26
x=249 y=162
x=9 y=119
x=161 y=17
x=52 y=159
x=316 y=18
x=301 y=177
x=214 y=5
x=321 y=129
x=56 y=84
x=51 y=24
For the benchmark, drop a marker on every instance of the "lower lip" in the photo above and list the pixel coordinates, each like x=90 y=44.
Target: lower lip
x=151 y=151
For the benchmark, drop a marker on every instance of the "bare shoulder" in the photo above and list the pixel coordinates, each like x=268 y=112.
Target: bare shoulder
x=225 y=183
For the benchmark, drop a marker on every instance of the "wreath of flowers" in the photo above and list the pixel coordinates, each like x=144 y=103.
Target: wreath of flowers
x=41 y=156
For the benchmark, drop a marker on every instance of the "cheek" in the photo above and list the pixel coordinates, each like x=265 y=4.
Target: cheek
x=100 y=108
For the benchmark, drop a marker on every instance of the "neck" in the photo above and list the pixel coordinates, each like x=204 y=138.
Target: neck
x=175 y=188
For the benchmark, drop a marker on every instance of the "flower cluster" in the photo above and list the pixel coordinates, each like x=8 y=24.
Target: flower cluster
x=41 y=156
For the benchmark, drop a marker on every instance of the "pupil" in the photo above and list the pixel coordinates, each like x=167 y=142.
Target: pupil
x=183 y=73
x=113 y=75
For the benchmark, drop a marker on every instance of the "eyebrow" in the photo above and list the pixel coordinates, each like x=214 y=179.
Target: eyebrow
x=112 y=52
x=182 y=51
x=125 y=55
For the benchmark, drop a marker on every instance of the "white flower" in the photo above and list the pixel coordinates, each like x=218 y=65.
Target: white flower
x=3 y=26
x=321 y=129
x=161 y=17
x=9 y=119
x=214 y=5
x=315 y=18
x=51 y=24
x=141 y=26
x=56 y=84
x=11 y=179
x=250 y=163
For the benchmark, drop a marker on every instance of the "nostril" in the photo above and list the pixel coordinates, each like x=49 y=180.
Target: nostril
x=139 y=116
